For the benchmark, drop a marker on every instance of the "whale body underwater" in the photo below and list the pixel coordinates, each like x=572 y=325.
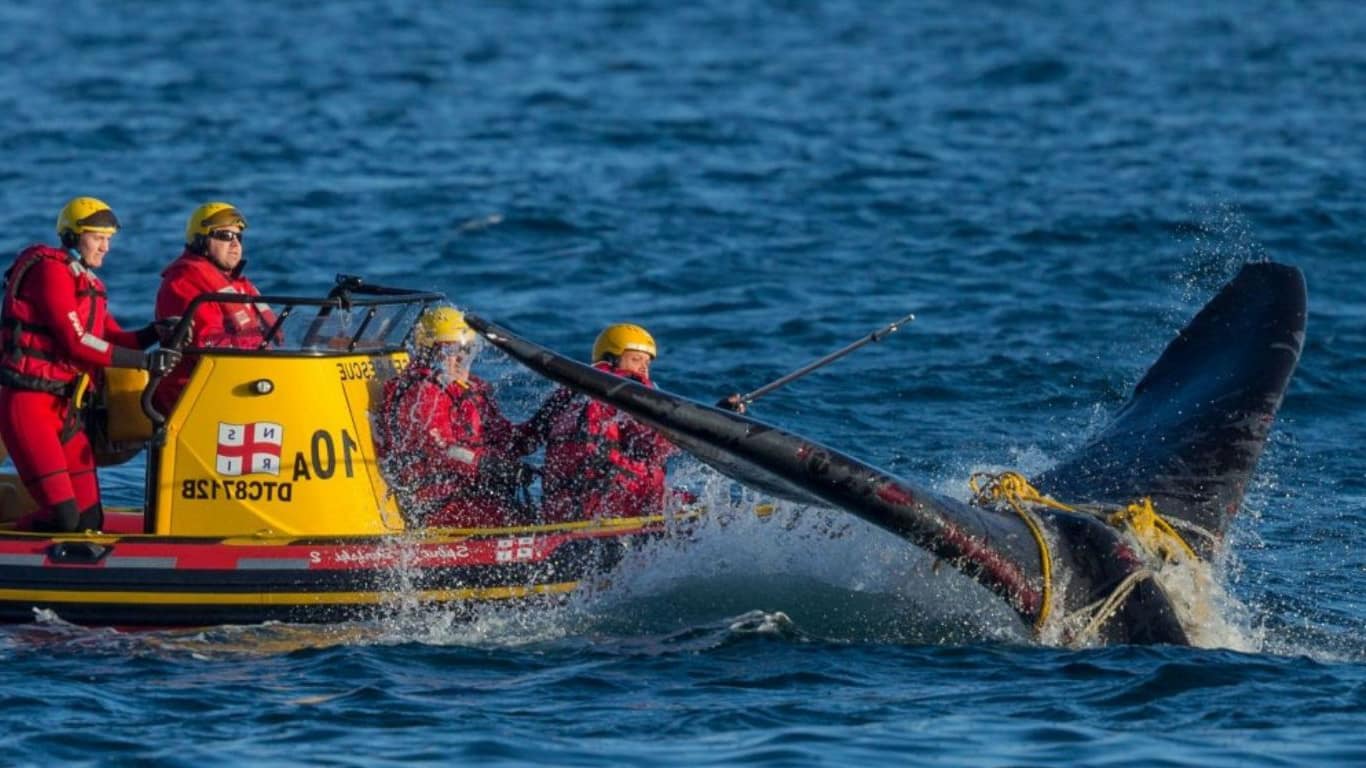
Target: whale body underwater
x=1156 y=488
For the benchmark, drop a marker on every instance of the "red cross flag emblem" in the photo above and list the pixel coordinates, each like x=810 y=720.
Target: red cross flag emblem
x=249 y=449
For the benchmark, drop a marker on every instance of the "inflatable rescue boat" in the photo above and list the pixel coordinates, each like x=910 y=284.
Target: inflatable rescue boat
x=264 y=500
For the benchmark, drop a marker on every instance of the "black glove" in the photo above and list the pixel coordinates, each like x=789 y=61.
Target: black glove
x=731 y=403
x=164 y=328
x=160 y=361
x=157 y=332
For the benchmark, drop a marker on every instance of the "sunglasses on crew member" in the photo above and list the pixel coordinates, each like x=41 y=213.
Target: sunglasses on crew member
x=226 y=235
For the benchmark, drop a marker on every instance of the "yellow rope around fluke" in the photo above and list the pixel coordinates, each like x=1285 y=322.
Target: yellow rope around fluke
x=1013 y=489
x=1152 y=530
x=1156 y=535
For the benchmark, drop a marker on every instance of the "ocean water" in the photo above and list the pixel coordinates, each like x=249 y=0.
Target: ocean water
x=1053 y=188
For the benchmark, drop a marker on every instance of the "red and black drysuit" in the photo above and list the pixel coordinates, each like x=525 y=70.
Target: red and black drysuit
x=55 y=328
x=598 y=463
x=215 y=324
x=444 y=448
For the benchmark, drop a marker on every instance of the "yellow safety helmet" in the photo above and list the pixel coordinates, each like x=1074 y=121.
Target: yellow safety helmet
x=443 y=325
x=208 y=217
x=85 y=214
x=618 y=338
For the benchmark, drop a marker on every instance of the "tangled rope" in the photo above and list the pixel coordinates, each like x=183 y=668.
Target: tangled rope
x=1015 y=491
x=1153 y=532
x=1104 y=609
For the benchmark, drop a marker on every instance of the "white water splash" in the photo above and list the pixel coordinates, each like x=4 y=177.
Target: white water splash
x=825 y=572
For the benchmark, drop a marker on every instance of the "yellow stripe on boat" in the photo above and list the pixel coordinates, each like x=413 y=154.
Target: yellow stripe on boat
x=284 y=598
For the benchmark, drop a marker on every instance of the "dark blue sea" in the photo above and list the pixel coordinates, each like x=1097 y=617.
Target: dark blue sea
x=1053 y=188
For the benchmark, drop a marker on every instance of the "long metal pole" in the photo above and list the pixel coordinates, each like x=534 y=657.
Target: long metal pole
x=878 y=335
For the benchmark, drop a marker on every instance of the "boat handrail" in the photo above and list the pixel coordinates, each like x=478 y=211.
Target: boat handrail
x=350 y=293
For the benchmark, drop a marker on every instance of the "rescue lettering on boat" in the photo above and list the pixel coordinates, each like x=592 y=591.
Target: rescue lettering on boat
x=368 y=370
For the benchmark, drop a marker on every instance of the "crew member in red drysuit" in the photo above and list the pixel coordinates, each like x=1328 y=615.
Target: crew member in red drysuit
x=211 y=263
x=443 y=445
x=57 y=337
x=600 y=463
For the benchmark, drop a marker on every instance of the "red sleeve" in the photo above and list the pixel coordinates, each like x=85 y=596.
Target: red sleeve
x=51 y=289
x=115 y=333
x=533 y=433
x=500 y=436
x=596 y=418
x=599 y=416
x=426 y=416
x=645 y=443
x=267 y=315
x=174 y=297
